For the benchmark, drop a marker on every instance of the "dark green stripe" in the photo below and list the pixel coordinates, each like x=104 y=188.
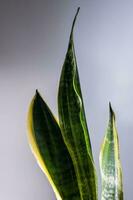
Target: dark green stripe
x=73 y=124
x=53 y=150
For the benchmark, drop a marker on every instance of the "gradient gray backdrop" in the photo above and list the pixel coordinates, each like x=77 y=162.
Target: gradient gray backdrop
x=33 y=41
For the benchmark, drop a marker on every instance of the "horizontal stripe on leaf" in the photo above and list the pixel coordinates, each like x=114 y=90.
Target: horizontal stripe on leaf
x=110 y=166
x=50 y=150
x=73 y=124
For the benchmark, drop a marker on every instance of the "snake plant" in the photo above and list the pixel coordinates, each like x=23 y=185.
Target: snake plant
x=62 y=147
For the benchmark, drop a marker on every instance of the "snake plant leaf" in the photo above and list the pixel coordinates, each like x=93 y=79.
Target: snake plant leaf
x=73 y=124
x=110 y=166
x=50 y=150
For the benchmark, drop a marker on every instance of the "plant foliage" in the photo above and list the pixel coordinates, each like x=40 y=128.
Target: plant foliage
x=63 y=149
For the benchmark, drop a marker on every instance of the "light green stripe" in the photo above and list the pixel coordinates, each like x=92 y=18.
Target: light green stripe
x=110 y=166
x=73 y=124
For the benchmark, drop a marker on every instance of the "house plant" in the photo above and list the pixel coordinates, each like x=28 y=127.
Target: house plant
x=63 y=148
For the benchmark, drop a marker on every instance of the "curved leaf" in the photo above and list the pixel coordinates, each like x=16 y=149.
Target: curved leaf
x=50 y=151
x=73 y=124
x=110 y=166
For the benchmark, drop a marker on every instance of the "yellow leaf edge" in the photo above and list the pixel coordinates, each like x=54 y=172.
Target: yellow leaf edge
x=34 y=148
x=117 y=150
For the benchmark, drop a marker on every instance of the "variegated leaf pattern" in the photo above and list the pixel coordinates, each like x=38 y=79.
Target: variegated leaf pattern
x=73 y=124
x=51 y=153
x=110 y=166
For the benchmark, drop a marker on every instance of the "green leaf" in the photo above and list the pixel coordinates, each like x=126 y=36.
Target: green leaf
x=73 y=124
x=50 y=151
x=110 y=166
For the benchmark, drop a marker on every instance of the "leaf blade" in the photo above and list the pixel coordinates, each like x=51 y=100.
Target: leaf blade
x=50 y=151
x=73 y=124
x=110 y=166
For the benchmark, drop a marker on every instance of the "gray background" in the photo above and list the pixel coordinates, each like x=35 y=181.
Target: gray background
x=33 y=41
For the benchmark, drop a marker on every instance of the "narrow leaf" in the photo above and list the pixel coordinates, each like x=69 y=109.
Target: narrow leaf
x=73 y=124
x=50 y=151
x=110 y=166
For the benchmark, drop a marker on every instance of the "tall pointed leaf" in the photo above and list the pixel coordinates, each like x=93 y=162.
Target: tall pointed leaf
x=50 y=151
x=73 y=124
x=110 y=166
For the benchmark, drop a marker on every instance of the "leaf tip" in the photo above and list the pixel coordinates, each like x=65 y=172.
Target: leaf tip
x=110 y=107
x=37 y=92
x=111 y=112
x=75 y=20
x=37 y=96
x=78 y=9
